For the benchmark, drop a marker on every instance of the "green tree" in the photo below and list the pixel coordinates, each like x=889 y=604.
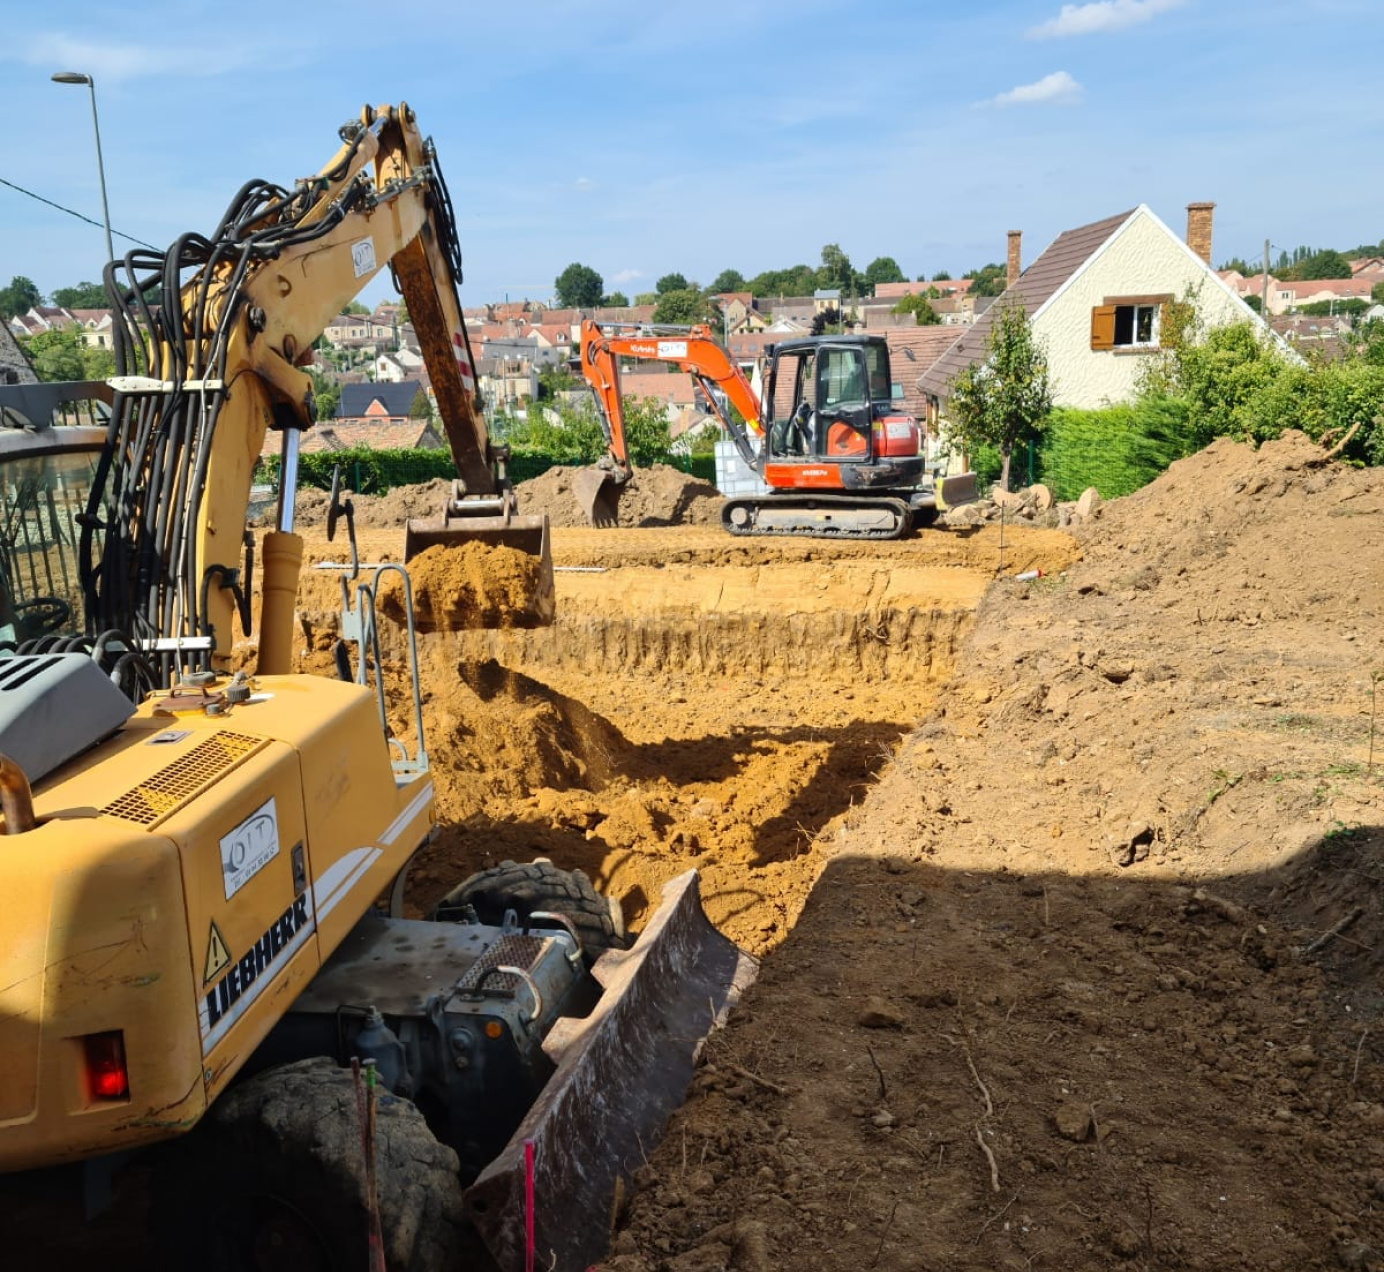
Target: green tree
x=19 y=297
x=579 y=287
x=421 y=407
x=82 y=296
x=1377 y=292
x=941 y=276
x=884 y=269
x=1005 y=398
x=918 y=306
x=685 y=305
x=827 y=321
x=989 y=281
x=1325 y=264
x=326 y=394
x=60 y=355
x=646 y=431
x=355 y=307
x=570 y=435
x=616 y=300
x=836 y=271
x=646 y=298
x=1351 y=308
x=553 y=380
x=671 y=282
x=798 y=280
x=728 y=280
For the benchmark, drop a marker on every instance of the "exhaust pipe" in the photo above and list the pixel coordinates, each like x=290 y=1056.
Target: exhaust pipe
x=16 y=799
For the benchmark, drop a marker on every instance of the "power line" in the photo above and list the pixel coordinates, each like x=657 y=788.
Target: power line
x=78 y=215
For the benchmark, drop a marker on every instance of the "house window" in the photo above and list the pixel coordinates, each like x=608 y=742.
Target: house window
x=1136 y=324
x=1127 y=322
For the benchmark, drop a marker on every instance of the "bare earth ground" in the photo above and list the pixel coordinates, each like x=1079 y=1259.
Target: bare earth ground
x=1068 y=892
x=1069 y=907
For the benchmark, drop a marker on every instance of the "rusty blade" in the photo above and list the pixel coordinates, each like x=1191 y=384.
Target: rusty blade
x=621 y=1072
x=951 y=492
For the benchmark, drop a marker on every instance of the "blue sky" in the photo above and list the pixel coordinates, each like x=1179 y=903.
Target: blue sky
x=645 y=140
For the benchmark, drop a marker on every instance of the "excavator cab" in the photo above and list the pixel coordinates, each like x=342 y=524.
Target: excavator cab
x=822 y=404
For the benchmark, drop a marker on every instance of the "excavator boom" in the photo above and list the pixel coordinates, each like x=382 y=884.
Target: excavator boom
x=202 y=381
x=693 y=350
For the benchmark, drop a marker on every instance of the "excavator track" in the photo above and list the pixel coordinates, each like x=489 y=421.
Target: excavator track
x=818 y=516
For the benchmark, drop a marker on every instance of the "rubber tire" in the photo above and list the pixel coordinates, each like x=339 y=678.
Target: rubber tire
x=539 y=885
x=287 y=1142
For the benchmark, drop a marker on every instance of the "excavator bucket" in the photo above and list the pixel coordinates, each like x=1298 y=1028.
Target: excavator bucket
x=598 y=492
x=493 y=522
x=621 y=1072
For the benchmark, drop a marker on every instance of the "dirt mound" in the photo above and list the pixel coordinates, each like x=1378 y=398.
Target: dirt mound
x=658 y=495
x=426 y=500
x=1090 y=979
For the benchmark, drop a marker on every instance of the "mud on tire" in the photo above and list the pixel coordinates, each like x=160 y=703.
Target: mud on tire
x=274 y=1177
x=539 y=885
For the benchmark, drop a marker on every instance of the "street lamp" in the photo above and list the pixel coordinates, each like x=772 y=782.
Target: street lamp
x=76 y=77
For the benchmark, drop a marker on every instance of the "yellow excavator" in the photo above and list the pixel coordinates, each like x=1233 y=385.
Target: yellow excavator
x=204 y=959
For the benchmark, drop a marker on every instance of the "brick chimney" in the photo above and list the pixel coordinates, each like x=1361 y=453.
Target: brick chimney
x=1012 y=275
x=1199 y=229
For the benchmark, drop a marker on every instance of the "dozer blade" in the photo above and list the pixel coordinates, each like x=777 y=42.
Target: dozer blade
x=598 y=491
x=621 y=1072
x=527 y=534
x=952 y=492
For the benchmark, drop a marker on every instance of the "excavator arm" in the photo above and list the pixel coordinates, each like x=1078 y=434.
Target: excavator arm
x=202 y=380
x=694 y=351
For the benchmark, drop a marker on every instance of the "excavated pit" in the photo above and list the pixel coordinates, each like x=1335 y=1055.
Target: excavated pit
x=699 y=702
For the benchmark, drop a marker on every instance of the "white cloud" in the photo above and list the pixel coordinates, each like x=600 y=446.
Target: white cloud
x=627 y=275
x=584 y=183
x=1058 y=89
x=1102 y=15
x=108 y=62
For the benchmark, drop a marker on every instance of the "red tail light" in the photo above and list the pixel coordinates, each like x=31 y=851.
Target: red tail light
x=107 y=1077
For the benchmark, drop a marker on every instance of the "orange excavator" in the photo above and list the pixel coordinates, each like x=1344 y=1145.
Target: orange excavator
x=835 y=455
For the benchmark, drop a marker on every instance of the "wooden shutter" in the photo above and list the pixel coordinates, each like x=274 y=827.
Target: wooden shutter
x=1103 y=327
x=1163 y=310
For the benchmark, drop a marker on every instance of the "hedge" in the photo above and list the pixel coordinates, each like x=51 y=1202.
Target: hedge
x=375 y=472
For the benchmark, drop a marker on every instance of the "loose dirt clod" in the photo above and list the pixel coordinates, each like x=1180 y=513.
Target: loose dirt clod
x=462 y=585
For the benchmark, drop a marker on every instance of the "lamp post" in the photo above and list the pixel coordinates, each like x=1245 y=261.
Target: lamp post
x=76 y=77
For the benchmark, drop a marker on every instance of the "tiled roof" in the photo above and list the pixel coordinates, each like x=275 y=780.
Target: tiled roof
x=666 y=386
x=348 y=434
x=624 y=313
x=394 y=398
x=896 y=291
x=1342 y=288
x=554 y=333
x=1067 y=253
x=750 y=344
x=926 y=345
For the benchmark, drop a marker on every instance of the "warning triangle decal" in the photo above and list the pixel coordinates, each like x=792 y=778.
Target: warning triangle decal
x=218 y=956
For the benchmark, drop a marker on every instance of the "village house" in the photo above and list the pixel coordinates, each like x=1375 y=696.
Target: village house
x=1095 y=299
